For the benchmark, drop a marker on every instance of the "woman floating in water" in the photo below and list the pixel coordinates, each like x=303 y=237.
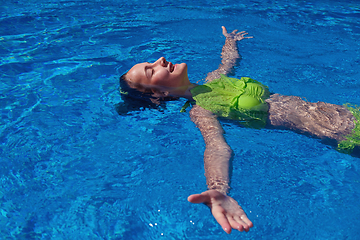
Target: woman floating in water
x=245 y=100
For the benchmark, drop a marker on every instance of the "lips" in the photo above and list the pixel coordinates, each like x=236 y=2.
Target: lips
x=171 y=67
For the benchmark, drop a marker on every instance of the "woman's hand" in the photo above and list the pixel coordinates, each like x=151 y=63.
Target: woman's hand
x=234 y=35
x=225 y=210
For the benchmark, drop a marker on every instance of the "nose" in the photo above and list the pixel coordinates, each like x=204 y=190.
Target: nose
x=161 y=61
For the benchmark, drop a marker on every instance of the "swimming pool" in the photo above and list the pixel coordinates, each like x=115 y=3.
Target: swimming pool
x=72 y=168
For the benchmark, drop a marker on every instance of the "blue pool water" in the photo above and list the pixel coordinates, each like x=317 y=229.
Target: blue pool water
x=72 y=168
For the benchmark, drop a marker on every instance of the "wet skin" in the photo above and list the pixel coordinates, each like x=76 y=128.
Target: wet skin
x=161 y=73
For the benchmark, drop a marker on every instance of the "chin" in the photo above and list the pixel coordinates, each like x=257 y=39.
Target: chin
x=184 y=68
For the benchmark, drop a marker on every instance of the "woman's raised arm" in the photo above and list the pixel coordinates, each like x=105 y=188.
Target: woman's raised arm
x=229 y=54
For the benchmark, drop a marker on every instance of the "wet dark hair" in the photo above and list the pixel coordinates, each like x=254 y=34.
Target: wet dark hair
x=137 y=97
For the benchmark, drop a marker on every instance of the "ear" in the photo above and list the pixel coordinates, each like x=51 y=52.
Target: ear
x=155 y=101
x=160 y=94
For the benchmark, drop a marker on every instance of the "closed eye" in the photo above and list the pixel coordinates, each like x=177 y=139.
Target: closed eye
x=149 y=72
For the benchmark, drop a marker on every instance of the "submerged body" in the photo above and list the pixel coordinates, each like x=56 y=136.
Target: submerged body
x=323 y=120
x=249 y=102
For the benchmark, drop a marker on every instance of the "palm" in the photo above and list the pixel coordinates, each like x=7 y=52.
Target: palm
x=225 y=210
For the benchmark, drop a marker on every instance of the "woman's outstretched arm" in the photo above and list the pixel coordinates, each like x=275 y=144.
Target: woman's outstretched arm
x=229 y=54
x=225 y=209
x=217 y=152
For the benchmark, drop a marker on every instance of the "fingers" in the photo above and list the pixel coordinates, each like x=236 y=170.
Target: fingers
x=219 y=214
x=235 y=224
x=227 y=221
x=247 y=221
x=236 y=35
x=241 y=36
x=245 y=33
x=225 y=210
x=241 y=218
x=244 y=222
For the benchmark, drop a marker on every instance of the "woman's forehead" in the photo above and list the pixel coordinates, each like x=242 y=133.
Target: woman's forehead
x=137 y=73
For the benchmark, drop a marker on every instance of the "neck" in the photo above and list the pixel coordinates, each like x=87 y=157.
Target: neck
x=184 y=92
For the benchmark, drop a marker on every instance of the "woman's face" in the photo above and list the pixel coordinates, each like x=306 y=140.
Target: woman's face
x=160 y=73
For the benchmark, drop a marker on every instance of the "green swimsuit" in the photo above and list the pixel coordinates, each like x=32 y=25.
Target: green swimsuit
x=244 y=100
x=353 y=139
x=238 y=99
